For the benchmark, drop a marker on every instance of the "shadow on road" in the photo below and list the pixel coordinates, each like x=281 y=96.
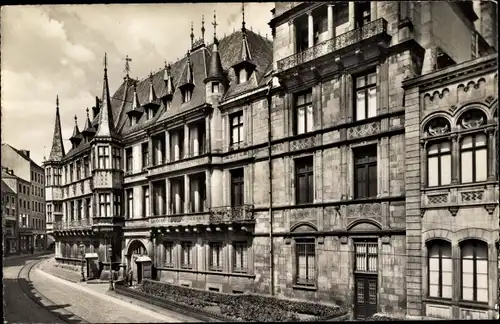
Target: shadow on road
x=15 y=312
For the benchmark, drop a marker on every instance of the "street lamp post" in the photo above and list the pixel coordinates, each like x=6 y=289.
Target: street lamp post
x=82 y=253
x=110 y=250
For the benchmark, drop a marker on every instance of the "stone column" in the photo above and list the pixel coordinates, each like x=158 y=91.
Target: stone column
x=167 y=197
x=177 y=190
x=310 y=29
x=207 y=135
x=491 y=154
x=186 y=194
x=208 y=189
x=455 y=156
x=373 y=10
x=291 y=26
x=196 y=190
x=167 y=146
x=331 y=32
x=138 y=201
x=150 y=151
x=186 y=141
x=351 y=12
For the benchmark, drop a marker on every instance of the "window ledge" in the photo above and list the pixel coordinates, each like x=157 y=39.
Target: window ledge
x=461 y=303
x=460 y=185
x=302 y=287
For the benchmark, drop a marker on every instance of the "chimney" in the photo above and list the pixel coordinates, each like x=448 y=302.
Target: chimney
x=26 y=152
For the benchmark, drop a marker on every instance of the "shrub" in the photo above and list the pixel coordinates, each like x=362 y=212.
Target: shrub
x=246 y=307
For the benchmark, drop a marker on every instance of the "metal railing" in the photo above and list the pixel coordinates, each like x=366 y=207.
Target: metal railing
x=74 y=224
x=351 y=37
x=231 y=214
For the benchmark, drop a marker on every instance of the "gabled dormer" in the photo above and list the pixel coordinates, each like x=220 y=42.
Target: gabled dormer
x=244 y=66
x=88 y=130
x=136 y=112
x=152 y=105
x=76 y=138
x=95 y=111
x=169 y=85
x=186 y=84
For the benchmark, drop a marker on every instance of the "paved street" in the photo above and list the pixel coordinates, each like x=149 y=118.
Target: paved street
x=75 y=302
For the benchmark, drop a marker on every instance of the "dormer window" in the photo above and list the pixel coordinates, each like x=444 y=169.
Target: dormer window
x=242 y=76
x=150 y=114
x=168 y=103
x=187 y=93
x=215 y=87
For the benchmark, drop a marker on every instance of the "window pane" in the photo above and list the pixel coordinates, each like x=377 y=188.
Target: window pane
x=466 y=164
x=481 y=165
x=300 y=100
x=372 y=102
x=235 y=135
x=360 y=105
x=434 y=290
x=301 y=120
x=447 y=291
x=372 y=179
x=309 y=97
x=360 y=82
x=445 y=169
x=372 y=78
x=467 y=142
x=240 y=133
x=445 y=147
x=480 y=140
x=310 y=121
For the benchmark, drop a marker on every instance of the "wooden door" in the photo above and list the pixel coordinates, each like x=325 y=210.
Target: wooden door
x=366 y=296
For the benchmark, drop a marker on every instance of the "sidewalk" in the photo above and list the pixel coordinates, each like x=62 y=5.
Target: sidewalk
x=49 y=266
x=25 y=255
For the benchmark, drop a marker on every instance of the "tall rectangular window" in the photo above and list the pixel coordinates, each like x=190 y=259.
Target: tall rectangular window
x=475 y=271
x=145 y=201
x=104 y=205
x=236 y=128
x=303 y=112
x=78 y=168
x=57 y=176
x=117 y=204
x=365 y=172
x=365 y=90
x=440 y=269
x=130 y=203
x=362 y=13
x=49 y=176
x=49 y=212
x=117 y=158
x=240 y=257
x=86 y=167
x=305 y=267
x=128 y=162
x=216 y=263
x=474 y=158
x=304 y=180
x=237 y=187
x=215 y=87
x=89 y=208
x=103 y=157
x=145 y=154
x=439 y=164
x=187 y=255
x=71 y=170
x=169 y=254
x=366 y=256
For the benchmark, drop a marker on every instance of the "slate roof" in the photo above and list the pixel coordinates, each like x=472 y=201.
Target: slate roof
x=230 y=51
x=6 y=189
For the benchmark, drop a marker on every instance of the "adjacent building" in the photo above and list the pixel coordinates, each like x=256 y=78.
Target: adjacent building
x=31 y=196
x=9 y=213
x=340 y=163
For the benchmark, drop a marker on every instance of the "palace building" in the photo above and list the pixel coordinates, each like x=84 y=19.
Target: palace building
x=351 y=160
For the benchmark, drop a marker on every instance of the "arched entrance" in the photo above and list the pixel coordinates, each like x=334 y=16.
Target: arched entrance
x=136 y=249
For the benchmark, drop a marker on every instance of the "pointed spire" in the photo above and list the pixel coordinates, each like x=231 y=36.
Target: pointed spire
x=167 y=78
x=76 y=131
x=105 y=127
x=192 y=35
x=215 y=26
x=136 y=110
x=203 y=28
x=243 y=29
x=57 y=150
x=188 y=77
x=127 y=66
x=76 y=138
x=215 y=70
x=152 y=94
x=88 y=130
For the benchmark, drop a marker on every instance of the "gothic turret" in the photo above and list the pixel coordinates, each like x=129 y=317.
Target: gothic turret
x=88 y=129
x=186 y=83
x=76 y=138
x=244 y=66
x=152 y=104
x=215 y=80
x=57 y=150
x=169 y=84
x=105 y=127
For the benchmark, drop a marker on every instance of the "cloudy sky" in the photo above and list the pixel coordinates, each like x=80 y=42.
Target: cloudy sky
x=49 y=50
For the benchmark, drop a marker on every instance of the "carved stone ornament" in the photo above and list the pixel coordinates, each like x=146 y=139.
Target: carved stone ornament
x=438 y=126
x=453 y=210
x=321 y=240
x=288 y=240
x=472 y=119
x=490 y=208
x=343 y=240
x=386 y=239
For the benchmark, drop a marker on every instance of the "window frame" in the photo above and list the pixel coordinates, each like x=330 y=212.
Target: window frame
x=238 y=116
x=300 y=281
x=103 y=157
x=304 y=167
x=146 y=196
x=439 y=156
x=237 y=180
x=366 y=89
x=474 y=149
x=476 y=244
x=441 y=244
x=242 y=247
x=129 y=158
x=189 y=246
x=145 y=154
x=372 y=160
x=216 y=247
x=169 y=250
x=305 y=106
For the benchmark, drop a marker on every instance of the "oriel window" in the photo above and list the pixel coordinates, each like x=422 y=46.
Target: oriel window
x=102 y=157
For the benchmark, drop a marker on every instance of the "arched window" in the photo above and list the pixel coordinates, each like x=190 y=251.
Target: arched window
x=474 y=268
x=474 y=158
x=440 y=269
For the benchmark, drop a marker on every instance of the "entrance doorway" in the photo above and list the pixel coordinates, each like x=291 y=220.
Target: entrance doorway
x=136 y=249
x=366 y=279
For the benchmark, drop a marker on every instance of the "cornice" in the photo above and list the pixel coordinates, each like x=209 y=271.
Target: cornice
x=454 y=73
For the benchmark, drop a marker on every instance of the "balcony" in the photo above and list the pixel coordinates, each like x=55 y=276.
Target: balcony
x=369 y=31
x=232 y=214
x=180 y=220
x=187 y=163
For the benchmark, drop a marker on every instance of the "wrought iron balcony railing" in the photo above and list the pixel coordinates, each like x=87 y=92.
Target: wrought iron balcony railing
x=351 y=37
x=231 y=214
x=74 y=224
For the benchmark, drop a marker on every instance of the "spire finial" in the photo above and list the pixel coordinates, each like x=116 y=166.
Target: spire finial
x=192 y=34
x=88 y=112
x=127 y=65
x=151 y=76
x=57 y=102
x=76 y=120
x=105 y=61
x=215 y=26
x=243 y=29
x=203 y=27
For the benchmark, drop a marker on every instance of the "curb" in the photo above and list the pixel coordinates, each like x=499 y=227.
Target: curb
x=37 y=296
